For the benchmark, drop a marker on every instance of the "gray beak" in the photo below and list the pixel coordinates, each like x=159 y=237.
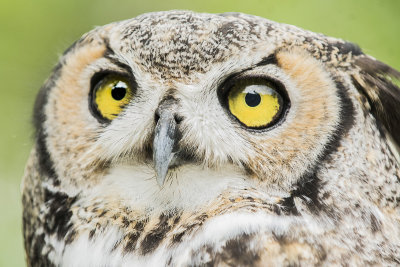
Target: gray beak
x=164 y=141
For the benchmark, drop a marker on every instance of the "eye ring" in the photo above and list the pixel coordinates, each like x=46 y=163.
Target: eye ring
x=253 y=100
x=124 y=89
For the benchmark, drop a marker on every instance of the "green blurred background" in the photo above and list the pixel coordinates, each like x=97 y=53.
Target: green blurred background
x=34 y=33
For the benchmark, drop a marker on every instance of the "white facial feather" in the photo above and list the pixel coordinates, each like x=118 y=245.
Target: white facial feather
x=186 y=188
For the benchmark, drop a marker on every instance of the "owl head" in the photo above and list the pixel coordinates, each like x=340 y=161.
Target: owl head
x=172 y=108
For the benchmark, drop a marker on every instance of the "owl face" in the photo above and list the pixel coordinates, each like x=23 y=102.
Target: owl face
x=178 y=102
x=179 y=138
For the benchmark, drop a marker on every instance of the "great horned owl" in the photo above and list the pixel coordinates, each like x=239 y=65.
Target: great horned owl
x=186 y=139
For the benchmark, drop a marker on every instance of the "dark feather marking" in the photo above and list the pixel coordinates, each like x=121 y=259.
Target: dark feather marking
x=235 y=252
x=134 y=236
x=110 y=55
x=36 y=256
x=131 y=243
x=376 y=225
x=347 y=47
x=271 y=59
x=104 y=212
x=59 y=214
x=188 y=228
x=178 y=237
x=70 y=236
x=346 y=121
x=92 y=233
x=125 y=221
x=176 y=219
x=386 y=108
x=153 y=239
x=238 y=251
x=46 y=165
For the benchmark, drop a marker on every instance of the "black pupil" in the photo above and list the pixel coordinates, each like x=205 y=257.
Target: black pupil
x=118 y=93
x=252 y=99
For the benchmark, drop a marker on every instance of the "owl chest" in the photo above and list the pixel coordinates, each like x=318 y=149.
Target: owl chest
x=174 y=239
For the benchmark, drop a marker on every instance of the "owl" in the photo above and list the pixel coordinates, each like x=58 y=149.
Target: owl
x=189 y=139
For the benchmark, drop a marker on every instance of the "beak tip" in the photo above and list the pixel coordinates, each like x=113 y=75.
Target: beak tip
x=160 y=179
x=161 y=173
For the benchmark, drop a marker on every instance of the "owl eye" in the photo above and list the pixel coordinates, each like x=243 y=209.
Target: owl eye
x=256 y=102
x=111 y=94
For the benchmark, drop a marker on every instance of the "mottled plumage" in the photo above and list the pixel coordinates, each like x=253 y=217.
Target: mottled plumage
x=319 y=186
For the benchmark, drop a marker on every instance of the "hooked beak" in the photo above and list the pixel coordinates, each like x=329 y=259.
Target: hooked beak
x=164 y=141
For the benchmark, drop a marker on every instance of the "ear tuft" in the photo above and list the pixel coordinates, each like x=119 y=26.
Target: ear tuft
x=377 y=82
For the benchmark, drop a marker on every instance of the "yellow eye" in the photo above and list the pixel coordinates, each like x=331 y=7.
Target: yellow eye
x=111 y=94
x=255 y=102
